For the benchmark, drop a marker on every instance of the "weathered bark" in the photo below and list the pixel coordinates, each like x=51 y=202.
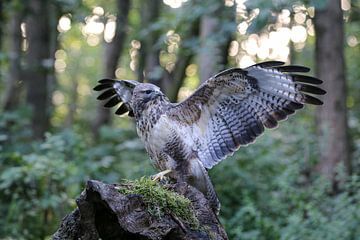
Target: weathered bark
x=330 y=63
x=39 y=64
x=215 y=38
x=113 y=51
x=14 y=75
x=104 y=213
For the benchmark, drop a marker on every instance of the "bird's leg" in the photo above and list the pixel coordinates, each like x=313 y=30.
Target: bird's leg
x=160 y=175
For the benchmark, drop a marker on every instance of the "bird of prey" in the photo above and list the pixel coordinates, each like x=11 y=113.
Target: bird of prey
x=229 y=110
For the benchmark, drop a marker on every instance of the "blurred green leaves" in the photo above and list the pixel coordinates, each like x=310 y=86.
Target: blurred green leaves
x=39 y=183
x=269 y=190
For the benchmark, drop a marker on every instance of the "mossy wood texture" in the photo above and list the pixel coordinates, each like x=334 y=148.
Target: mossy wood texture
x=104 y=212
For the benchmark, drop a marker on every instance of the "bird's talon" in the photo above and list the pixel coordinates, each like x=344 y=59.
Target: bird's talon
x=160 y=176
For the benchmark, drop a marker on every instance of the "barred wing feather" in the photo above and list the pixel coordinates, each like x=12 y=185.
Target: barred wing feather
x=235 y=106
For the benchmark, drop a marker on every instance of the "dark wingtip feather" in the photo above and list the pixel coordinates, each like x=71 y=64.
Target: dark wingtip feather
x=305 y=79
x=270 y=122
x=102 y=86
x=122 y=110
x=256 y=128
x=131 y=114
x=312 y=100
x=106 y=80
x=269 y=64
x=293 y=68
x=295 y=105
x=107 y=94
x=130 y=84
x=278 y=115
x=112 y=102
x=312 y=89
x=288 y=111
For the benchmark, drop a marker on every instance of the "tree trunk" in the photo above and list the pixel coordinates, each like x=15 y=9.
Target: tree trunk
x=70 y=118
x=39 y=64
x=14 y=75
x=2 y=22
x=172 y=82
x=149 y=62
x=113 y=51
x=332 y=116
x=104 y=213
x=55 y=13
x=215 y=39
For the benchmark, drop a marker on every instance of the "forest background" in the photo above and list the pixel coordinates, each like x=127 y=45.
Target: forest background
x=300 y=181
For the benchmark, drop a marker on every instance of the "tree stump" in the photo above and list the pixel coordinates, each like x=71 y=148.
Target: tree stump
x=104 y=213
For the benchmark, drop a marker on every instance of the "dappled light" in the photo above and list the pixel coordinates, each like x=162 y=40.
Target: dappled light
x=346 y=5
x=352 y=41
x=98 y=11
x=275 y=44
x=174 y=3
x=92 y=26
x=58 y=98
x=64 y=24
x=109 y=30
x=134 y=51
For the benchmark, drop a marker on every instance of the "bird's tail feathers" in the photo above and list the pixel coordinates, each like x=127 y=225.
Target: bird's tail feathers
x=202 y=182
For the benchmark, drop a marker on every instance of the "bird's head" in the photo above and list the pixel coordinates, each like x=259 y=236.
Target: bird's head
x=146 y=92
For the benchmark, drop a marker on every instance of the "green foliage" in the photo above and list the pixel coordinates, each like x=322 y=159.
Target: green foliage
x=274 y=194
x=160 y=200
x=267 y=191
x=15 y=122
x=34 y=186
x=39 y=181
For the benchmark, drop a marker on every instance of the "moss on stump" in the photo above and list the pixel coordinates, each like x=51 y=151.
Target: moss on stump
x=140 y=209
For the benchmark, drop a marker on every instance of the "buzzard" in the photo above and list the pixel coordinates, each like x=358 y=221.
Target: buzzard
x=229 y=110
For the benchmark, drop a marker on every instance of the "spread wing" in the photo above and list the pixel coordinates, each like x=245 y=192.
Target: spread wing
x=117 y=91
x=233 y=107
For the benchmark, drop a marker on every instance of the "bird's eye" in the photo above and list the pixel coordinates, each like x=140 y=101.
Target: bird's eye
x=147 y=91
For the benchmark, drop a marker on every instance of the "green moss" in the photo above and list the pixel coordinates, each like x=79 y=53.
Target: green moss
x=160 y=200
